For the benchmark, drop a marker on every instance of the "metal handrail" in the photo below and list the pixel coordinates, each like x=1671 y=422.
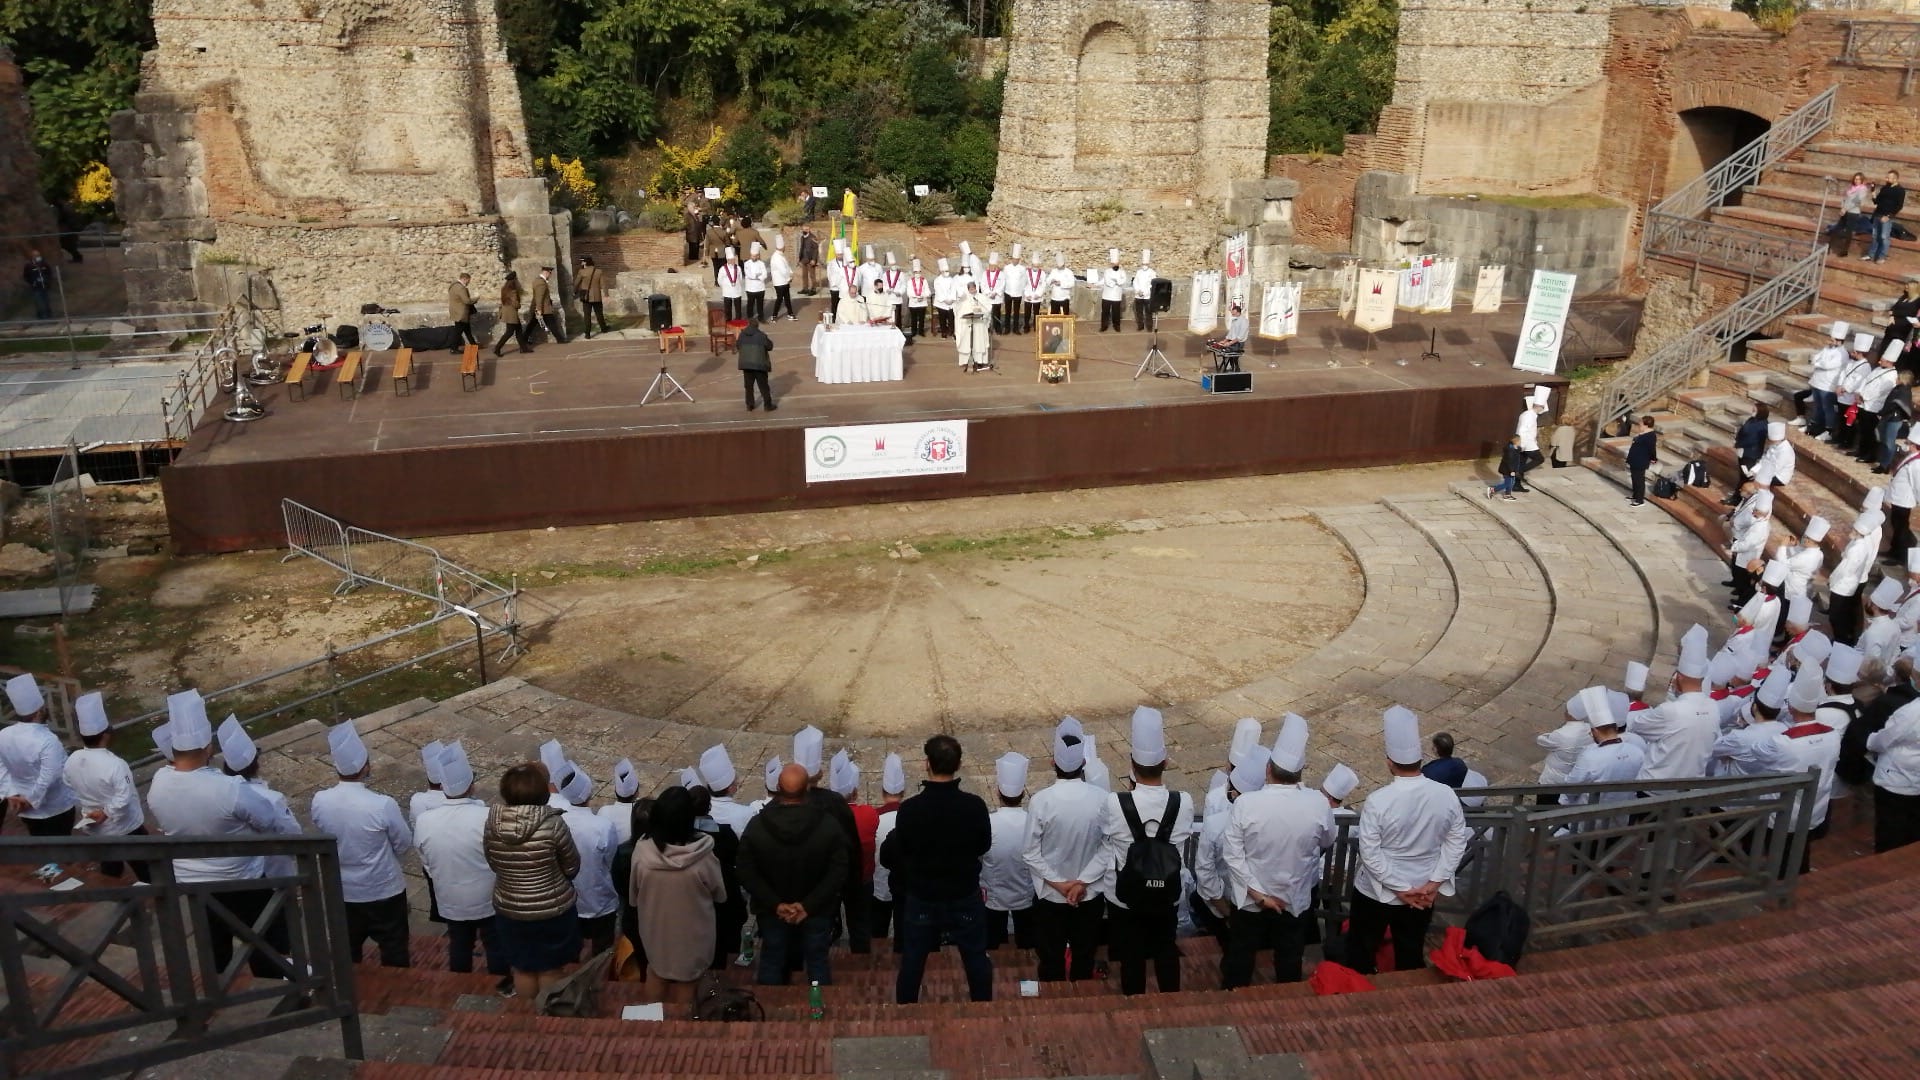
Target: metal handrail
x=1788 y=134
x=1871 y=41
x=1729 y=247
x=166 y=923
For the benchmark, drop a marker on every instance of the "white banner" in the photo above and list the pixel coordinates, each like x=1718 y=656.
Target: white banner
x=1203 y=310
x=1349 y=278
x=1488 y=288
x=871 y=451
x=1280 y=310
x=1413 y=283
x=1441 y=279
x=1542 y=327
x=1373 y=308
x=1239 y=282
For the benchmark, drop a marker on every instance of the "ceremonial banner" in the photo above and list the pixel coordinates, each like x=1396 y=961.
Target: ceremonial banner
x=1280 y=310
x=872 y=451
x=1545 y=322
x=1203 y=312
x=1349 y=278
x=1413 y=283
x=1488 y=289
x=1373 y=307
x=1441 y=279
x=1239 y=283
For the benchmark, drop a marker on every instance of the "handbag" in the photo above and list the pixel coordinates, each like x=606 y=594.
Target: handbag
x=1666 y=487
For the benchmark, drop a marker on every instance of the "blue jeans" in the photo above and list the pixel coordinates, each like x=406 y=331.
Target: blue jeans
x=812 y=938
x=924 y=924
x=1882 y=236
x=1826 y=411
x=42 y=304
x=1504 y=486
x=1889 y=430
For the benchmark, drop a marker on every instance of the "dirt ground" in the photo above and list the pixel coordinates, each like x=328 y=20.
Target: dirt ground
x=959 y=614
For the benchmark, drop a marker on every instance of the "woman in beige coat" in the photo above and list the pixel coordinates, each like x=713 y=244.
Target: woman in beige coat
x=676 y=883
x=531 y=852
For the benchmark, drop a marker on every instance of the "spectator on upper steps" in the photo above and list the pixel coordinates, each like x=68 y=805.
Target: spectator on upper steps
x=1751 y=440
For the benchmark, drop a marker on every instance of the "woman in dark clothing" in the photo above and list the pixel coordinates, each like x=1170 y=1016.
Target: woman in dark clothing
x=623 y=871
x=1894 y=417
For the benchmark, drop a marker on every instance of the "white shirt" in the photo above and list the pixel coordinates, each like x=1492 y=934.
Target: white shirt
x=1616 y=762
x=1143 y=283
x=944 y=288
x=205 y=802
x=919 y=290
x=1826 y=367
x=1754 y=750
x=593 y=890
x=1679 y=733
x=423 y=801
x=620 y=816
x=731 y=280
x=1875 y=388
x=451 y=839
x=1150 y=804
x=728 y=812
x=1851 y=377
x=1898 y=744
x=1065 y=837
x=1003 y=876
x=882 y=878
x=1816 y=745
x=372 y=837
x=1750 y=540
x=1061 y=282
x=1528 y=428
x=865 y=275
x=1564 y=745
x=1802 y=563
x=101 y=780
x=835 y=275
x=755 y=272
x=277 y=865
x=1014 y=284
x=1274 y=843
x=32 y=765
x=1209 y=856
x=779 y=272
x=1113 y=284
x=1776 y=462
x=1856 y=562
x=1903 y=487
x=1411 y=832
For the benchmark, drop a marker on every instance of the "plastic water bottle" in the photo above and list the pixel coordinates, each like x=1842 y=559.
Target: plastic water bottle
x=816 y=1005
x=1069 y=960
x=745 y=959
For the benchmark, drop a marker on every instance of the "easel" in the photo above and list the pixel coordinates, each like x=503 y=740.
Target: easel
x=672 y=387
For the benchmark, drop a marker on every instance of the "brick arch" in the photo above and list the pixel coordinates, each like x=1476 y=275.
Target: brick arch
x=1727 y=94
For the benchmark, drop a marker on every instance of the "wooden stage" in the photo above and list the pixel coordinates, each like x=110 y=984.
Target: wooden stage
x=559 y=437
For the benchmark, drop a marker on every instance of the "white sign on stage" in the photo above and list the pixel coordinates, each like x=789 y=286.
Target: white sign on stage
x=1280 y=310
x=873 y=451
x=1373 y=308
x=1441 y=279
x=1488 y=289
x=1349 y=276
x=1203 y=309
x=1542 y=327
x=1238 y=280
x=1413 y=283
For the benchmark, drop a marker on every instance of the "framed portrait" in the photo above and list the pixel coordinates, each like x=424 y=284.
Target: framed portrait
x=1055 y=337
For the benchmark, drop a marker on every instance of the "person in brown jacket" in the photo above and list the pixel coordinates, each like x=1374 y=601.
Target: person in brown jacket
x=460 y=310
x=510 y=316
x=590 y=286
x=545 y=311
x=531 y=852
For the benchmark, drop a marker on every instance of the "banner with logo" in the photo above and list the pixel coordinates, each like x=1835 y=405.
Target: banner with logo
x=1373 y=307
x=1413 y=283
x=1488 y=288
x=1545 y=322
x=1239 y=282
x=1280 y=310
x=1441 y=278
x=873 y=451
x=1349 y=278
x=1203 y=306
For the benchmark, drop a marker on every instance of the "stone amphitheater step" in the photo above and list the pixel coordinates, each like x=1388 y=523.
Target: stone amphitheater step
x=1801 y=225
x=1846 y=158
x=1858 y=306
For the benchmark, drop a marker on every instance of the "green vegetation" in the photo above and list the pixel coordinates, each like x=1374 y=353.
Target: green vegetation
x=1330 y=63
x=81 y=59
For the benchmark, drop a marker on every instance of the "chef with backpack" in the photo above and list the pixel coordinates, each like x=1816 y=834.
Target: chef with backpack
x=1146 y=829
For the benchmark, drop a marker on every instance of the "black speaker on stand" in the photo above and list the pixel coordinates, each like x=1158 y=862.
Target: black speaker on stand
x=659 y=312
x=1162 y=296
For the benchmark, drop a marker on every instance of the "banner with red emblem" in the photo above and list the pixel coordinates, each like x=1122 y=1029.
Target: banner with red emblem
x=875 y=451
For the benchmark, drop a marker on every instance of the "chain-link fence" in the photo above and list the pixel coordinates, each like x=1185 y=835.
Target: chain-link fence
x=67 y=530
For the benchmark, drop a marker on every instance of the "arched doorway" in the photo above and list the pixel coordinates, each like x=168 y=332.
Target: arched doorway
x=1106 y=138
x=1707 y=136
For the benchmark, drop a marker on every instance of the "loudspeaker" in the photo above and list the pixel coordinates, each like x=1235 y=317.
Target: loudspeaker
x=1227 y=382
x=1162 y=294
x=659 y=312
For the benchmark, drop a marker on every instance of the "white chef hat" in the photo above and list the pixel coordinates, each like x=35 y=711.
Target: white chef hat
x=1097 y=773
x=626 y=782
x=1069 y=756
x=770 y=773
x=187 y=716
x=1807 y=690
x=716 y=769
x=1762 y=501
x=349 y=752
x=1290 y=746
x=429 y=760
x=24 y=693
x=915 y=265
x=1893 y=351
x=689 y=778
x=1725 y=666
x=554 y=758
x=942 y=263
x=1146 y=256
x=1843 y=664
x=1773 y=689
x=1246 y=736
x=807 y=744
x=1596 y=708
x=843 y=778
x=579 y=786
x=1033 y=258
x=1838 y=331
x=869 y=252
x=1862 y=341
x=1868 y=522
x=732 y=254
x=753 y=249
x=1619 y=702
x=1059 y=258
x=456 y=772
x=1113 y=256
x=1340 y=782
x=1886 y=594
x=1401 y=729
x=893 y=776
x=993 y=258
x=90 y=714
x=1014 y=252
x=1216 y=794
x=1814 y=648
x=1816 y=529
x=1775 y=573
x=890 y=259
x=1542 y=394
x=1636 y=678
x=779 y=242
x=236 y=746
x=1010 y=774
x=1776 y=430
x=1576 y=707
x=1250 y=775
x=163 y=739
x=1149 y=736
x=1800 y=610
x=1693 y=653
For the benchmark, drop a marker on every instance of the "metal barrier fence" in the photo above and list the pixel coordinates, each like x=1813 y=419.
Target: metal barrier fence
x=1883 y=44
x=170 y=926
x=67 y=528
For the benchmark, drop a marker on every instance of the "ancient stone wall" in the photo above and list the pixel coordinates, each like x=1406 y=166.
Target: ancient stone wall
x=23 y=212
x=1128 y=123
x=353 y=150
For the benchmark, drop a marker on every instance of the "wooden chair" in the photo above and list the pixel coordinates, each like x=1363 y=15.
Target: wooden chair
x=673 y=339
x=296 y=380
x=349 y=378
x=470 y=368
x=403 y=372
x=720 y=333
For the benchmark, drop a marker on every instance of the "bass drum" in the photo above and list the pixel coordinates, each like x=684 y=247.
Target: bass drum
x=377 y=337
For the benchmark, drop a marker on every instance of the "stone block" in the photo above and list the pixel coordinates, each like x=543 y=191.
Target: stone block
x=1277 y=210
x=869 y=1056
x=1415 y=231
x=522 y=198
x=1187 y=1053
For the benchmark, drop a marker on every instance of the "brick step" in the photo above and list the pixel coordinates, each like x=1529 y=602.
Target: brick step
x=1834 y=301
x=1801 y=225
x=1789 y=356
x=1874 y=159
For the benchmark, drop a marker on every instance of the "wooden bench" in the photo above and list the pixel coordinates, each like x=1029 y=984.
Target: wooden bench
x=470 y=368
x=296 y=380
x=403 y=371
x=349 y=378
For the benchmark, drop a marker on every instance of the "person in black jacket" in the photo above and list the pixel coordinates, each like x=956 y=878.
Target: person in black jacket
x=1640 y=455
x=933 y=859
x=1888 y=201
x=1895 y=415
x=1751 y=440
x=1513 y=462
x=731 y=914
x=792 y=863
x=756 y=362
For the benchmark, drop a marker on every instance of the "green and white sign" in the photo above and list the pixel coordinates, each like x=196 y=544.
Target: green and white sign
x=1545 y=323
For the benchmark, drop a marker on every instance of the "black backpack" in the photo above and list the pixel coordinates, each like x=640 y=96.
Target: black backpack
x=1695 y=473
x=1666 y=488
x=1498 y=928
x=1150 y=877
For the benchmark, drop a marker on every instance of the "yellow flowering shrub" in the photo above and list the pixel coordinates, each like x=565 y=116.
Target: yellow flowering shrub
x=571 y=184
x=691 y=169
x=93 y=191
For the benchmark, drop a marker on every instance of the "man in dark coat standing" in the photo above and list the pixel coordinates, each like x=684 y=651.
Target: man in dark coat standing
x=933 y=859
x=1640 y=455
x=793 y=862
x=756 y=363
x=1751 y=440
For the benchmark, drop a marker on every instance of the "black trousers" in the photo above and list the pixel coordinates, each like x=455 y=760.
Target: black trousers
x=883 y=920
x=141 y=871
x=856 y=912
x=245 y=905
x=1031 y=312
x=551 y=324
x=782 y=297
x=1204 y=918
x=757 y=304
x=466 y=332
x=1900 y=524
x=1138 y=936
x=516 y=333
x=1022 y=928
x=1639 y=476
x=1111 y=310
x=1530 y=460
x=1896 y=820
x=1843 y=617
x=753 y=379
x=1249 y=932
x=462 y=933
x=1368 y=919
x=1003 y=314
x=916 y=321
x=1742 y=582
x=731 y=306
x=1142 y=313
x=597 y=932
x=943 y=322
x=1866 y=436
x=1059 y=928
x=385 y=921
x=589 y=311
x=60 y=824
x=1059 y=307
x=693 y=252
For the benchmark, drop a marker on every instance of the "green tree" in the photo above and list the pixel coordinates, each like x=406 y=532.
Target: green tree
x=933 y=84
x=833 y=157
x=751 y=156
x=974 y=156
x=914 y=149
x=81 y=60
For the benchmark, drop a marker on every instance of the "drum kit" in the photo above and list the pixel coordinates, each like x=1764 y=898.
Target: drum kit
x=243 y=327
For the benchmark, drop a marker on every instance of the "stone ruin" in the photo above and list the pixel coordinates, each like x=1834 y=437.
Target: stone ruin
x=327 y=153
x=24 y=214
